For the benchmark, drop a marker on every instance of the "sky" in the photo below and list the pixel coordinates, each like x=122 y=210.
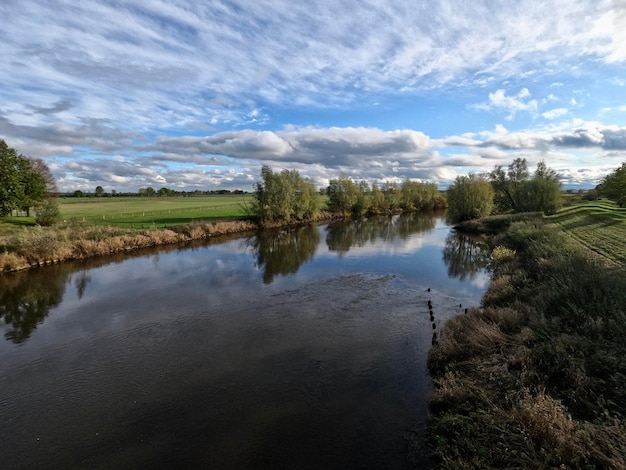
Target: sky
x=201 y=94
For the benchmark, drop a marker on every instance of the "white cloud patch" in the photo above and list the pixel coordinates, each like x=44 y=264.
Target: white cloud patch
x=511 y=105
x=555 y=113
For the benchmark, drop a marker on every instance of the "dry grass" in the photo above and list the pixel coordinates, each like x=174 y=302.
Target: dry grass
x=477 y=333
x=36 y=246
x=536 y=378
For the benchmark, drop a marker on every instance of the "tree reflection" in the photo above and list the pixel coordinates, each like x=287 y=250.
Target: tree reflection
x=342 y=235
x=281 y=252
x=26 y=299
x=465 y=255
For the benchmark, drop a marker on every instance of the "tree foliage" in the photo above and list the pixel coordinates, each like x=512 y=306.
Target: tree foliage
x=24 y=182
x=285 y=197
x=360 y=198
x=516 y=191
x=11 y=191
x=614 y=185
x=470 y=197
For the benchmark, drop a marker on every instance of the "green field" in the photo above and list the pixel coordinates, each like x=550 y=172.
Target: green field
x=599 y=225
x=138 y=212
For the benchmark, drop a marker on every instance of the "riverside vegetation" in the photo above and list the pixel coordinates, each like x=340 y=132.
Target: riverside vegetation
x=99 y=226
x=536 y=377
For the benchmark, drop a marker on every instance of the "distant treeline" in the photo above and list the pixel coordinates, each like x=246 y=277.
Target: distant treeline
x=149 y=192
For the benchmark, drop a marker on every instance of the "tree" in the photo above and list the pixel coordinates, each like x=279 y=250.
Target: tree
x=24 y=182
x=33 y=185
x=11 y=191
x=545 y=190
x=469 y=197
x=516 y=191
x=285 y=196
x=99 y=191
x=342 y=194
x=614 y=185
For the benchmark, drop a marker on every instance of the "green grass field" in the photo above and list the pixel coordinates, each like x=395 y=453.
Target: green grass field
x=599 y=225
x=137 y=212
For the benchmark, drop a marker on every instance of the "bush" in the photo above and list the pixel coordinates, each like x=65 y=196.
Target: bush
x=47 y=213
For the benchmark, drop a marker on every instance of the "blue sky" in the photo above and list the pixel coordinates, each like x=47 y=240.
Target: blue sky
x=200 y=94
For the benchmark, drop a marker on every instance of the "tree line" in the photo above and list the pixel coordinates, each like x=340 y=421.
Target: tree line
x=287 y=197
x=513 y=190
x=516 y=190
x=149 y=191
x=26 y=184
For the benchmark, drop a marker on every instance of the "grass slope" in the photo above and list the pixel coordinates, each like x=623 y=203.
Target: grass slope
x=598 y=225
x=536 y=377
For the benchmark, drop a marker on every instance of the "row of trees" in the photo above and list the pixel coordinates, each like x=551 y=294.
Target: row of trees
x=513 y=190
x=359 y=198
x=151 y=192
x=287 y=197
x=26 y=183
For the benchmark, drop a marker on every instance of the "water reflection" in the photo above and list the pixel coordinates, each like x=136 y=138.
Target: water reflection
x=343 y=235
x=465 y=255
x=282 y=252
x=26 y=299
x=185 y=356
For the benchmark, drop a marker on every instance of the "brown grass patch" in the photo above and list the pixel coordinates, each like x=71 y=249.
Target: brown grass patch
x=477 y=333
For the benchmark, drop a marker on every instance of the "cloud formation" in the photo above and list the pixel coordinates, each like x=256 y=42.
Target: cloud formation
x=197 y=94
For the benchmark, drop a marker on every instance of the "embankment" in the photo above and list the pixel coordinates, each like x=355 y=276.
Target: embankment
x=535 y=377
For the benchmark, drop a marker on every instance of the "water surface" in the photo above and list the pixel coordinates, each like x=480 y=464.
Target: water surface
x=302 y=348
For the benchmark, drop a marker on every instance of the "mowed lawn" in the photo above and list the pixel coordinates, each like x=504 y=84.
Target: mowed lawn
x=138 y=212
x=599 y=225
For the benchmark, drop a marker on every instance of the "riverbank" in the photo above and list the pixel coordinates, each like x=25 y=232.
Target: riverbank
x=536 y=377
x=30 y=247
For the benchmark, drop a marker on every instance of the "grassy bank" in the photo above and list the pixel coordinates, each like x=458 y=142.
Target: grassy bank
x=599 y=225
x=23 y=246
x=536 y=377
x=36 y=246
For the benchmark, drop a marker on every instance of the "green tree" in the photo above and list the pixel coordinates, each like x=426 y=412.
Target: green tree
x=614 y=185
x=99 y=191
x=545 y=190
x=516 y=191
x=24 y=182
x=378 y=204
x=469 y=197
x=342 y=194
x=11 y=189
x=33 y=183
x=285 y=197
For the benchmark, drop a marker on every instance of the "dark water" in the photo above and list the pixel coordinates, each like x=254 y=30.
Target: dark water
x=297 y=349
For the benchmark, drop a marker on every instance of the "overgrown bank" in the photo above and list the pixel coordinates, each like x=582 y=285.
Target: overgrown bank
x=536 y=377
x=30 y=247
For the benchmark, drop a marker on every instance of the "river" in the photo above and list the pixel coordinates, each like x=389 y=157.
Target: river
x=299 y=349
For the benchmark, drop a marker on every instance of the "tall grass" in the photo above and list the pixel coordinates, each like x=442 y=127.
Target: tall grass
x=536 y=377
x=35 y=246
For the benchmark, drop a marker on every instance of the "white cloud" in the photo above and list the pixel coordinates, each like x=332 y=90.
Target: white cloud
x=510 y=104
x=555 y=113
